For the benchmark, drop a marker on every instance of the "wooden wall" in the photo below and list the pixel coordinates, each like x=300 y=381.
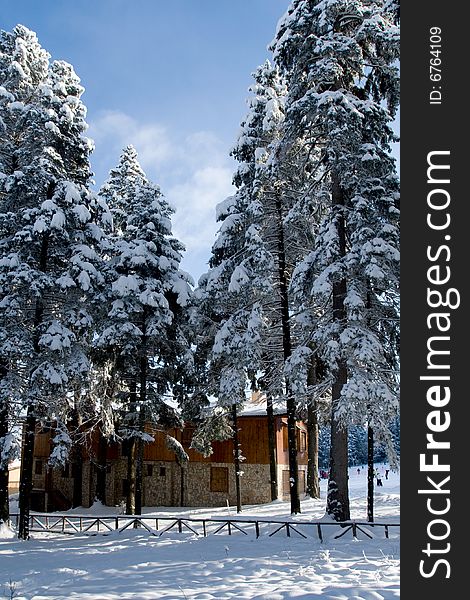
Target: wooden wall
x=253 y=437
x=42 y=444
x=281 y=442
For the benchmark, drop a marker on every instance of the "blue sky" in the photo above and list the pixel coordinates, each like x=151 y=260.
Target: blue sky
x=171 y=78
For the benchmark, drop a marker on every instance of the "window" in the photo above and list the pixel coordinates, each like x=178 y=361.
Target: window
x=38 y=467
x=285 y=437
x=162 y=471
x=301 y=441
x=187 y=436
x=149 y=470
x=285 y=483
x=301 y=482
x=219 y=479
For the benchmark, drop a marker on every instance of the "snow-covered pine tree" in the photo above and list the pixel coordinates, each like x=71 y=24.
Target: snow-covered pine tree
x=226 y=331
x=23 y=68
x=144 y=330
x=252 y=260
x=222 y=340
x=284 y=227
x=339 y=58
x=50 y=230
x=113 y=386
x=261 y=275
x=254 y=269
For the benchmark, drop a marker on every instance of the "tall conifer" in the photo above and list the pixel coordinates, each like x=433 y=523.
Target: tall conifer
x=339 y=58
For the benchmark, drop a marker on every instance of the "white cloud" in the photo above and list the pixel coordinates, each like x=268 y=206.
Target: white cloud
x=195 y=200
x=194 y=222
x=114 y=130
x=193 y=170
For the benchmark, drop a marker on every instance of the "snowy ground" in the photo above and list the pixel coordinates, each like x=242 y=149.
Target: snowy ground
x=136 y=565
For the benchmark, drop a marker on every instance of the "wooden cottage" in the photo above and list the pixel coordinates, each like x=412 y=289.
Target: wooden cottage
x=202 y=482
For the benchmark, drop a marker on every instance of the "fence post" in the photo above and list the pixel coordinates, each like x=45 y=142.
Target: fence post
x=257 y=529
x=319 y=532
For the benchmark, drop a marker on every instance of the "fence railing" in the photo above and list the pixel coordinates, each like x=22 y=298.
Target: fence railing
x=159 y=525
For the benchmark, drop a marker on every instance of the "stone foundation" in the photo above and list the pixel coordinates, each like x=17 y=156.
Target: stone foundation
x=165 y=482
x=162 y=484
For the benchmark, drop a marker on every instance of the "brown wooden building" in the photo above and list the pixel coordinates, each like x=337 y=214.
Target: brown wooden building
x=202 y=482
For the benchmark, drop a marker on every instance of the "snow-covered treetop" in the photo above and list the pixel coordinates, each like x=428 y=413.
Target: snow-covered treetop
x=122 y=179
x=142 y=219
x=23 y=62
x=339 y=45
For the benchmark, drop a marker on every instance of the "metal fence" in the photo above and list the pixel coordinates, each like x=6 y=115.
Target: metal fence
x=159 y=525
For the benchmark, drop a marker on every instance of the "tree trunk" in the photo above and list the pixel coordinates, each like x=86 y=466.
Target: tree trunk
x=139 y=468
x=27 y=459
x=293 y=466
x=287 y=351
x=338 y=492
x=370 y=449
x=101 y=470
x=313 y=482
x=338 y=496
x=4 y=473
x=131 y=463
x=130 y=496
x=26 y=474
x=236 y=457
x=272 y=447
x=143 y=368
x=370 y=474
x=76 y=459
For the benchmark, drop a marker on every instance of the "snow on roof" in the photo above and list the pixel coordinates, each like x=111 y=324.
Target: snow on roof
x=258 y=408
